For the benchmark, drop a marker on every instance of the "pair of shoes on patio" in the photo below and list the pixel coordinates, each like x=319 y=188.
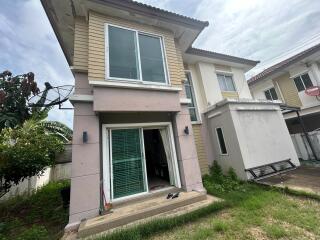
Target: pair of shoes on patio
x=173 y=195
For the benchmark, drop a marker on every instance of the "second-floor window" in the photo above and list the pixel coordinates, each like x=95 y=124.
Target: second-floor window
x=271 y=94
x=303 y=82
x=135 y=56
x=226 y=83
x=190 y=95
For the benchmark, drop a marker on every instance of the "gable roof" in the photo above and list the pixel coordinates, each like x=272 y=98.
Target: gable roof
x=283 y=64
x=220 y=56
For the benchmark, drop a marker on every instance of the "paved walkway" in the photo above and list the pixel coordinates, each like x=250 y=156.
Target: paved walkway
x=305 y=178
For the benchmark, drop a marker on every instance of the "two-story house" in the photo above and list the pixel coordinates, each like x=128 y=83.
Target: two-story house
x=288 y=81
x=151 y=112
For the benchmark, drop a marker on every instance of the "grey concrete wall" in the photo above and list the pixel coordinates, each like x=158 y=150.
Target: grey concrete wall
x=221 y=118
x=255 y=135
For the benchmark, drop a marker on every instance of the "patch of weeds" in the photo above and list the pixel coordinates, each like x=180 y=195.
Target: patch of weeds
x=203 y=233
x=217 y=183
x=38 y=214
x=275 y=231
x=220 y=226
x=34 y=233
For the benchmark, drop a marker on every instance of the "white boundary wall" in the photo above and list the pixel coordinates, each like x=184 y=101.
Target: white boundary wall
x=302 y=146
x=58 y=172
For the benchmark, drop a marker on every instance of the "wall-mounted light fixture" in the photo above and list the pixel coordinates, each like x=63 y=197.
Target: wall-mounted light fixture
x=186 y=130
x=84 y=137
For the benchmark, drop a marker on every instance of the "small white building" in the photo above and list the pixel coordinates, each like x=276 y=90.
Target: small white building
x=239 y=132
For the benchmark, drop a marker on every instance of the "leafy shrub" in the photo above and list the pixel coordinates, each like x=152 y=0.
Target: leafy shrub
x=216 y=182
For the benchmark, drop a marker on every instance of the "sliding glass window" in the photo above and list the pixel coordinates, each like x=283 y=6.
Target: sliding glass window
x=135 y=56
x=188 y=85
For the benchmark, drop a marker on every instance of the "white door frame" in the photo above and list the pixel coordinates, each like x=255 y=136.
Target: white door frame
x=106 y=153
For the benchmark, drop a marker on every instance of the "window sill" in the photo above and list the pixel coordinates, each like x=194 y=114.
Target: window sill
x=151 y=87
x=229 y=92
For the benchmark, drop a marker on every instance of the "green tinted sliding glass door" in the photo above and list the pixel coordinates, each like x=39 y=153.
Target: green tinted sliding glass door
x=127 y=160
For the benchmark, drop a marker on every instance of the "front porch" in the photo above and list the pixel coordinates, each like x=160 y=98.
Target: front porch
x=143 y=210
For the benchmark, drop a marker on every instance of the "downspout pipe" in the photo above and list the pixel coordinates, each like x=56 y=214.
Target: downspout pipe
x=101 y=208
x=307 y=136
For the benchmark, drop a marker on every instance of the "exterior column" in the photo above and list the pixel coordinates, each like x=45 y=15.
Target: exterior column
x=316 y=72
x=189 y=168
x=85 y=171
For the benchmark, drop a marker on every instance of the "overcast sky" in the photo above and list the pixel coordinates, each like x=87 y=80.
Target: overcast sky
x=255 y=29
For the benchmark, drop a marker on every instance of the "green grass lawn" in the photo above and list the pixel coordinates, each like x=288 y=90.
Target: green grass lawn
x=249 y=212
x=39 y=216
x=255 y=213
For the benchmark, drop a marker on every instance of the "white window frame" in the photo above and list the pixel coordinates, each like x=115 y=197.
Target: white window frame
x=224 y=139
x=268 y=89
x=299 y=75
x=140 y=80
x=107 y=151
x=198 y=121
x=229 y=74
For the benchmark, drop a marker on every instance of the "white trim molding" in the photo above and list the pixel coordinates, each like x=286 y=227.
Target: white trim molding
x=81 y=98
x=185 y=101
x=115 y=84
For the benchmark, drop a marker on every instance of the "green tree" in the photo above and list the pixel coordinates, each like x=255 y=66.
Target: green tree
x=14 y=94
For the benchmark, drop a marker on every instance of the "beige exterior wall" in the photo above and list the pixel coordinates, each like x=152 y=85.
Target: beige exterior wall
x=206 y=84
x=223 y=68
x=207 y=90
x=96 y=66
x=80 y=59
x=258 y=89
x=200 y=146
x=230 y=95
x=288 y=90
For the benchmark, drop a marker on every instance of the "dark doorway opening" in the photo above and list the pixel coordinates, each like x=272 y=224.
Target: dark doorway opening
x=156 y=160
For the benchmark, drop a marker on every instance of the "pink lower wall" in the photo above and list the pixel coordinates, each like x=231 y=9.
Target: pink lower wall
x=85 y=171
x=134 y=100
x=190 y=173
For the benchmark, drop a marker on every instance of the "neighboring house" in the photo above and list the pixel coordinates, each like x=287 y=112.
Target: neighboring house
x=150 y=111
x=287 y=81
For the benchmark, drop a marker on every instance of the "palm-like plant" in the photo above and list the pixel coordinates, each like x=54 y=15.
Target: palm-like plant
x=60 y=130
x=39 y=112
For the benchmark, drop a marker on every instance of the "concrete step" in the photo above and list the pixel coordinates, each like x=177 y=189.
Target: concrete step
x=147 y=196
x=126 y=214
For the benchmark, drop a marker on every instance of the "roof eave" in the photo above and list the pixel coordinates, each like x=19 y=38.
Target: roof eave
x=307 y=52
x=55 y=29
x=150 y=11
x=220 y=56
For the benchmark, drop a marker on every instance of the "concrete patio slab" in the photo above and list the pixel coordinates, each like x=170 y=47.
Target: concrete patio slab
x=304 y=178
